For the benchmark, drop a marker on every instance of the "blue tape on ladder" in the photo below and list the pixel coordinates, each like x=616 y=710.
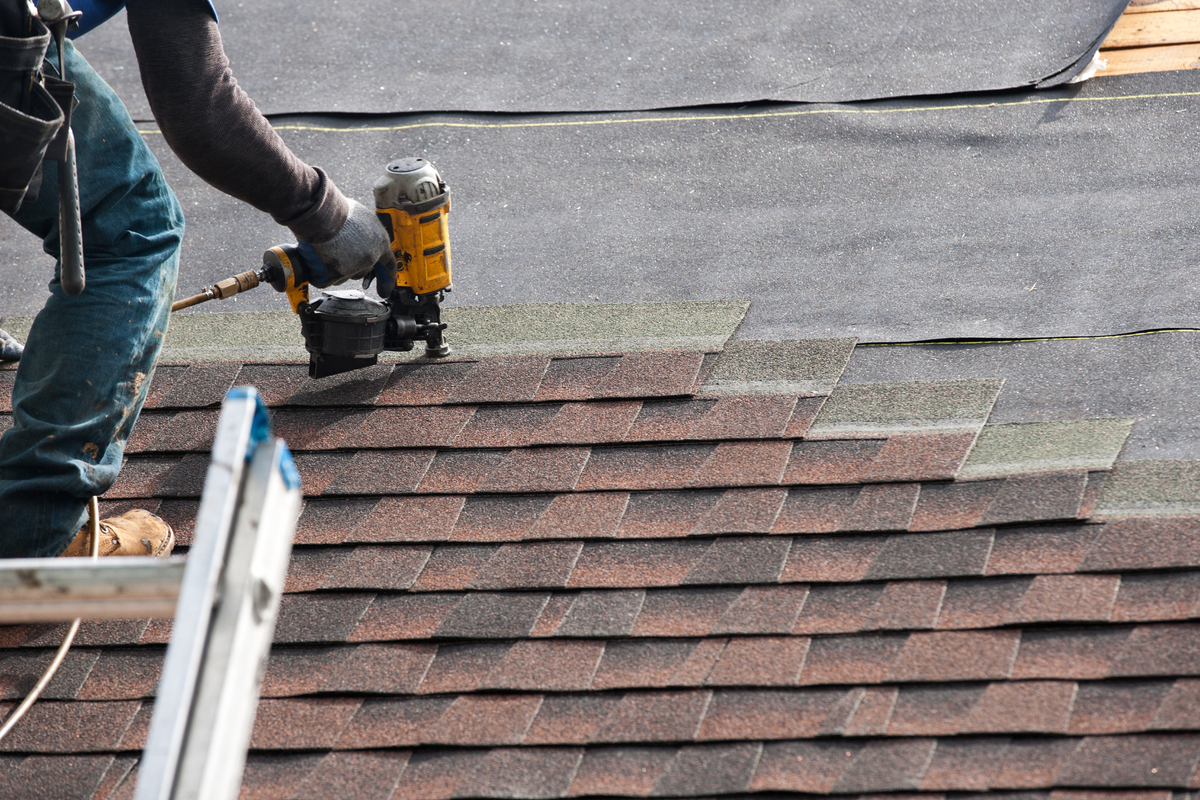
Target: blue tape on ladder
x=260 y=431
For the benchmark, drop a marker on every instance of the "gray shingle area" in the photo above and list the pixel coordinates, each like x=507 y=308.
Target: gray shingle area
x=473 y=330
x=369 y=57
x=1091 y=444
x=887 y=409
x=1151 y=488
x=809 y=367
x=1154 y=379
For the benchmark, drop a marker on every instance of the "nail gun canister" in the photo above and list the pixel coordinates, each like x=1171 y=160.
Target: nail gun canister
x=412 y=202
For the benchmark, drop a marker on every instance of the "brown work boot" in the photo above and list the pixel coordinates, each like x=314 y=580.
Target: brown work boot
x=134 y=533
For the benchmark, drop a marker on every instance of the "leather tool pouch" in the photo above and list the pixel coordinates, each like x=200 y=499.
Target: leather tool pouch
x=31 y=116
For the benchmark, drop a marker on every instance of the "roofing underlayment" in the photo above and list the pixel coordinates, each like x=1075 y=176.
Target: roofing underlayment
x=747 y=542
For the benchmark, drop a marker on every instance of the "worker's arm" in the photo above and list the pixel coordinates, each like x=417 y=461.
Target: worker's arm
x=216 y=130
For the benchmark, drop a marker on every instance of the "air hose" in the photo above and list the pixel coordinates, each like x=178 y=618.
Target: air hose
x=17 y=713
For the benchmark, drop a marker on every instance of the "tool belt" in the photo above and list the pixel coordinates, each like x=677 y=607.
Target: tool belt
x=35 y=108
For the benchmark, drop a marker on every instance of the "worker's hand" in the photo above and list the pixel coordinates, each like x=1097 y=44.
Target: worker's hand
x=359 y=249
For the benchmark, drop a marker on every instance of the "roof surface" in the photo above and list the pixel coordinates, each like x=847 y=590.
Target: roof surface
x=669 y=573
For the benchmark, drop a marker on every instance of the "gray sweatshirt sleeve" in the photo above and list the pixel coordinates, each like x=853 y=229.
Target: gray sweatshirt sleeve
x=215 y=128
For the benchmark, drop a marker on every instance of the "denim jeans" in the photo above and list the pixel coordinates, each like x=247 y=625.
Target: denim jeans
x=88 y=360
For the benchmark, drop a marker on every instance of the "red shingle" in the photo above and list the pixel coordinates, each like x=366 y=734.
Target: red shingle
x=888 y=766
x=530 y=565
x=404 y=519
x=830 y=558
x=66 y=727
x=741 y=559
x=543 y=469
x=462 y=667
x=423 y=383
x=963 y=765
x=838 y=609
x=1157 y=596
x=743 y=511
x=454 y=567
x=909 y=605
x=760 y=661
x=589 y=423
x=621 y=771
x=682 y=612
x=379 y=472
x=946 y=506
x=379 y=669
x=393 y=617
x=644 y=466
x=920 y=457
x=1117 y=706
x=498 y=519
x=363 y=776
x=581 y=516
x=331 y=521
x=574 y=378
x=874 y=711
x=187 y=386
x=831 y=461
x=882 y=507
x=658 y=717
x=503 y=379
x=952 y=655
x=652 y=374
x=815 y=510
x=1022 y=707
x=1079 y=654
x=1044 y=549
x=851 y=659
x=981 y=603
x=1165 y=649
x=484 y=719
x=745 y=417
x=763 y=609
x=668 y=420
x=406 y=427
x=521 y=772
x=1132 y=761
x=932 y=710
x=552 y=666
x=794 y=714
x=645 y=663
x=803 y=414
x=636 y=564
x=744 y=464
x=803 y=766
x=1062 y=598
x=1033 y=763
x=570 y=719
x=436 y=775
x=1145 y=543
x=506 y=426
x=459 y=471
x=301 y=723
x=654 y=515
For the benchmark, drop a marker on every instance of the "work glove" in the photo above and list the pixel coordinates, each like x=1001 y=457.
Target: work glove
x=10 y=348
x=359 y=249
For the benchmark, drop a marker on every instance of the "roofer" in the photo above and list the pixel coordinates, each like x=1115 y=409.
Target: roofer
x=88 y=360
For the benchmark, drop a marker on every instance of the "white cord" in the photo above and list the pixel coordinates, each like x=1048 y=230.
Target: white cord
x=48 y=675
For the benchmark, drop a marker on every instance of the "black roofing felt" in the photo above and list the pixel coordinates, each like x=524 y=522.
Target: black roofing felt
x=537 y=55
x=1063 y=212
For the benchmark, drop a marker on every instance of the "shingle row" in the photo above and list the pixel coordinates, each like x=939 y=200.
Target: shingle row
x=517 y=514
x=640 y=771
x=695 y=770
x=500 y=379
x=758 y=560
x=1163 y=650
x=518 y=425
x=654 y=717
x=783 y=609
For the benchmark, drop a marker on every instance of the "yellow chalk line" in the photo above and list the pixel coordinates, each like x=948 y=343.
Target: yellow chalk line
x=715 y=117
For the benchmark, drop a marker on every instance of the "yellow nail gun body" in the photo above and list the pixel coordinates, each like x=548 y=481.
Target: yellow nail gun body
x=344 y=331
